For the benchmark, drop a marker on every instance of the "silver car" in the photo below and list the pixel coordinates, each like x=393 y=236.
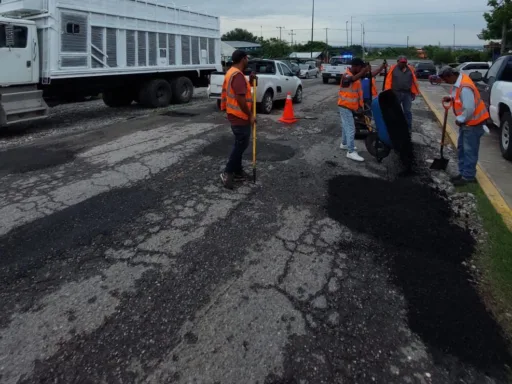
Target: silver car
x=308 y=70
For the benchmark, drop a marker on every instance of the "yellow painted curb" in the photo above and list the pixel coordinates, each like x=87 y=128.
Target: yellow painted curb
x=485 y=181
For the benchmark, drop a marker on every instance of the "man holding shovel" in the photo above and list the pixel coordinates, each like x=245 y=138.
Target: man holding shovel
x=236 y=99
x=471 y=114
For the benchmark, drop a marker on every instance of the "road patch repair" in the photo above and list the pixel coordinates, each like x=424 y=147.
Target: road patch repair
x=483 y=178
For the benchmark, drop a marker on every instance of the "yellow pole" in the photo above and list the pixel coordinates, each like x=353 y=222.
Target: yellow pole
x=254 y=130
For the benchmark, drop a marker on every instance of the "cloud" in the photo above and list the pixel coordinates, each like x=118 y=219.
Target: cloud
x=384 y=22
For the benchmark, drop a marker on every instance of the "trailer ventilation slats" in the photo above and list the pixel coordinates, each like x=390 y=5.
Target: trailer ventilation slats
x=152 y=48
x=111 y=47
x=141 y=43
x=171 y=41
x=185 y=50
x=131 y=49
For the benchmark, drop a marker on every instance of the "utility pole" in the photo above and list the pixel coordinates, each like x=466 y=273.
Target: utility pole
x=407 y=41
x=261 y=32
x=280 y=33
x=362 y=39
x=292 y=34
x=312 y=26
x=346 y=29
x=454 y=37
x=351 y=32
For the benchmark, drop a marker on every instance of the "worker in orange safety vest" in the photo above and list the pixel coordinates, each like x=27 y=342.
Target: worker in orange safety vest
x=236 y=100
x=471 y=116
x=402 y=80
x=350 y=100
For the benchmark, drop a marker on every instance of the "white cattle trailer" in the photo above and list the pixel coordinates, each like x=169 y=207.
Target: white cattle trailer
x=147 y=51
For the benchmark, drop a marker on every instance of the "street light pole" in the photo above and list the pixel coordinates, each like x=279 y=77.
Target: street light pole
x=280 y=33
x=312 y=26
x=407 y=41
x=351 y=32
x=346 y=29
x=454 y=37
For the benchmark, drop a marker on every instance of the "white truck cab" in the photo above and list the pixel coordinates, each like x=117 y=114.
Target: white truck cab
x=19 y=57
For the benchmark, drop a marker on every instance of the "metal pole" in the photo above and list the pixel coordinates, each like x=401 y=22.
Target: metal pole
x=362 y=39
x=454 y=37
x=326 y=37
x=351 y=32
x=346 y=28
x=312 y=26
x=261 y=32
x=280 y=33
x=292 y=34
x=407 y=41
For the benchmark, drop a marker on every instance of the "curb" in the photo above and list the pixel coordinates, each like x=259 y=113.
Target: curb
x=485 y=181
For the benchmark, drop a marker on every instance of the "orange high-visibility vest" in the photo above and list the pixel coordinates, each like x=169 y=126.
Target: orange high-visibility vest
x=351 y=97
x=481 y=114
x=374 y=88
x=389 y=80
x=228 y=99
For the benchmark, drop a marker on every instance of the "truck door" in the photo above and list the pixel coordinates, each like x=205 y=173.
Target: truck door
x=485 y=86
x=16 y=54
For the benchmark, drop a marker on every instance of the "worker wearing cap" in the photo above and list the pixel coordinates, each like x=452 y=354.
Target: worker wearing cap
x=236 y=100
x=350 y=100
x=402 y=80
x=471 y=114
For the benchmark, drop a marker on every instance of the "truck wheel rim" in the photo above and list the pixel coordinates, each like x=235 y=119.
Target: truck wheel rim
x=505 y=136
x=184 y=91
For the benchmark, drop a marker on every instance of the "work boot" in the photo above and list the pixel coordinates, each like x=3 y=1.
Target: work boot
x=241 y=176
x=354 y=156
x=462 y=181
x=455 y=178
x=227 y=180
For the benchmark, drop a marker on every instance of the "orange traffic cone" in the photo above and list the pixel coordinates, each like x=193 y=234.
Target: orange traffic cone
x=288 y=115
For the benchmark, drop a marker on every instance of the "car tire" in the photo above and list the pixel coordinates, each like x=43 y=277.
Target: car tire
x=325 y=80
x=267 y=103
x=307 y=75
x=506 y=135
x=297 y=99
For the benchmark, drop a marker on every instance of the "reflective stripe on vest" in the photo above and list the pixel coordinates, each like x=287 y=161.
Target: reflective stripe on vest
x=228 y=97
x=480 y=115
x=351 y=97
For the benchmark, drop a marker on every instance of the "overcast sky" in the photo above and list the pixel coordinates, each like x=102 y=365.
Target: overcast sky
x=425 y=22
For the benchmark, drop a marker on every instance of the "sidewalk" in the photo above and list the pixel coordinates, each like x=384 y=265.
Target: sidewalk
x=494 y=172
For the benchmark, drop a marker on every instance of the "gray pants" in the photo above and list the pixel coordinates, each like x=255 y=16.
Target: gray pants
x=405 y=100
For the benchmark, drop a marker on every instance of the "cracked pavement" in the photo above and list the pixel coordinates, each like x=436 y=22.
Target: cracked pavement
x=123 y=260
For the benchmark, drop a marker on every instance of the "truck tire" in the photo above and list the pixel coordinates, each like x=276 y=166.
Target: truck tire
x=117 y=98
x=505 y=136
x=297 y=99
x=182 y=90
x=267 y=103
x=155 y=93
x=325 y=80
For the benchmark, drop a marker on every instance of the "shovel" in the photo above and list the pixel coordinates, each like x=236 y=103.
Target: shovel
x=442 y=163
x=254 y=131
x=385 y=75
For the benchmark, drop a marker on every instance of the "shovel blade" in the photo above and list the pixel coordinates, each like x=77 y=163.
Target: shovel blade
x=440 y=164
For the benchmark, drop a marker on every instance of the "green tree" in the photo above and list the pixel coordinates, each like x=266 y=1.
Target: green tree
x=273 y=48
x=239 y=34
x=498 y=23
x=443 y=56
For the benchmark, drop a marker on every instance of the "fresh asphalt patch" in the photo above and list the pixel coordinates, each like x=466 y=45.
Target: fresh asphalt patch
x=27 y=159
x=409 y=230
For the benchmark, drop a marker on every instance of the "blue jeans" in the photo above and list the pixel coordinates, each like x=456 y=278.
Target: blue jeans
x=467 y=147
x=242 y=137
x=405 y=100
x=348 y=128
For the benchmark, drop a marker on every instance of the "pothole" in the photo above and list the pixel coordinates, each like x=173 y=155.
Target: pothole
x=180 y=114
x=265 y=150
x=21 y=160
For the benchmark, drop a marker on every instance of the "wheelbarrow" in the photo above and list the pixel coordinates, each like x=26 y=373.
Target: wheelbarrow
x=390 y=130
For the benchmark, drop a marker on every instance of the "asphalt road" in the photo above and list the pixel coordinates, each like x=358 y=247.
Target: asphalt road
x=123 y=260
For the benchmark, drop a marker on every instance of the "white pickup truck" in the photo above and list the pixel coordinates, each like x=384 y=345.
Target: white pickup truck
x=496 y=91
x=335 y=69
x=275 y=81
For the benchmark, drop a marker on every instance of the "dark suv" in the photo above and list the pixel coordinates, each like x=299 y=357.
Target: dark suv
x=424 y=70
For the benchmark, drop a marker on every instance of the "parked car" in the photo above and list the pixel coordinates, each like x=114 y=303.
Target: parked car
x=308 y=70
x=424 y=70
x=496 y=92
x=335 y=69
x=294 y=67
x=472 y=66
x=275 y=81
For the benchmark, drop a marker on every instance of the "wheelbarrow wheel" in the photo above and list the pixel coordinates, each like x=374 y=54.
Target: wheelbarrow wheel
x=369 y=142
x=375 y=147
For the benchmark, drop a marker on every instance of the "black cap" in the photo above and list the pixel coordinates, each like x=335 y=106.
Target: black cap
x=238 y=56
x=357 y=62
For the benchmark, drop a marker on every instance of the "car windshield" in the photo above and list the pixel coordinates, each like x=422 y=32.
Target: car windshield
x=304 y=66
x=339 y=61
